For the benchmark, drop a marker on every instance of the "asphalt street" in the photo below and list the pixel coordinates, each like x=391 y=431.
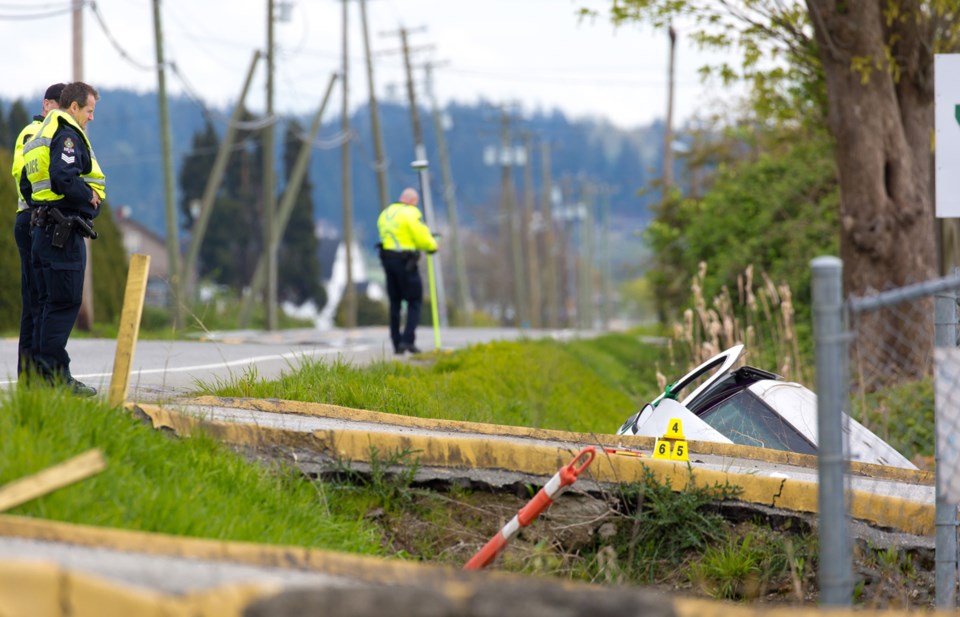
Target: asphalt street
x=164 y=370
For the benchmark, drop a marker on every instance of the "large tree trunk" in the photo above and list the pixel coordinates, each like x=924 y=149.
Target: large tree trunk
x=881 y=115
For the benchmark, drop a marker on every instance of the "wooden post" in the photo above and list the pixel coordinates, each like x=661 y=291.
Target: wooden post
x=130 y=315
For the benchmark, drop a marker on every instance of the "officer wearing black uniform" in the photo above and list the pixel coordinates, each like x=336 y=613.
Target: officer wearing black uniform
x=62 y=178
x=403 y=234
x=23 y=234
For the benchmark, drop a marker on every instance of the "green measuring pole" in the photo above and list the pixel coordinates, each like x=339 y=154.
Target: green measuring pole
x=421 y=166
x=433 y=302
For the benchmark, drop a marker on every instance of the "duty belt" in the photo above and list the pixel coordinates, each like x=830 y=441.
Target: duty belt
x=391 y=253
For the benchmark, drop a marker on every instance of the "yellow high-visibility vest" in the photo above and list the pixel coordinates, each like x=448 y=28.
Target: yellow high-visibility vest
x=36 y=159
x=27 y=133
x=402 y=229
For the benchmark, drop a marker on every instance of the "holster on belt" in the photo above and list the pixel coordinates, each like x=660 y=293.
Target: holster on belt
x=38 y=216
x=65 y=225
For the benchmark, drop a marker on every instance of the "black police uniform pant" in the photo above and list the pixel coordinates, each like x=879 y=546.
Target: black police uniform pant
x=29 y=303
x=59 y=273
x=403 y=285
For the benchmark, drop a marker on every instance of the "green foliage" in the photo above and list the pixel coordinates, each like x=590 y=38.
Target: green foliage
x=902 y=415
x=195 y=487
x=369 y=312
x=233 y=240
x=752 y=560
x=108 y=263
x=10 y=127
x=491 y=383
x=774 y=214
x=778 y=60
x=9 y=257
x=667 y=524
x=298 y=261
x=388 y=480
x=622 y=361
x=728 y=569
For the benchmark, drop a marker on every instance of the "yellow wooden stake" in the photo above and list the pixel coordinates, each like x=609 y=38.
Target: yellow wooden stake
x=130 y=316
x=39 y=484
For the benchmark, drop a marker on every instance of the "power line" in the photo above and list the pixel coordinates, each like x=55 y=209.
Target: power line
x=116 y=45
x=48 y=10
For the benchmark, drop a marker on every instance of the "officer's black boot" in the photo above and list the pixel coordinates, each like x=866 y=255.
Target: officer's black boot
x=80 y=389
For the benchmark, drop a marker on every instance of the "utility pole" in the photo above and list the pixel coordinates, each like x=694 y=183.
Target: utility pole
x=450 y=197
x=269 y=197
x=585 y=310
x=349 y=293
x=85 y=317
x=380 y=163
x=509 y=223
x=605 y=293
x=78 y=40
x=550 y=253
x=420 y=152
x=567 y=254
x=668 y=128
x=199 y=229
x=176 y=299
x=530 y=233
x=290 y=193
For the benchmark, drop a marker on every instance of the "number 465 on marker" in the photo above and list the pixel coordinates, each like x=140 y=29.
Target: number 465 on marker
x=673 y=445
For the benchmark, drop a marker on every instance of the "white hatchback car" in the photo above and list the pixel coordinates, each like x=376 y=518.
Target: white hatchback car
x=752 y=407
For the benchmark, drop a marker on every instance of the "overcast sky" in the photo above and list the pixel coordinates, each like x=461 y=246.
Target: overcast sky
x=535 y=52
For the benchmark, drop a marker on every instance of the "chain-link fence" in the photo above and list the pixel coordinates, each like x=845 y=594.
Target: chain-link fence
x=877 y=369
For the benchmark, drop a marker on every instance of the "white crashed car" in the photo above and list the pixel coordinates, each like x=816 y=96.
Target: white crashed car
x=752 y=407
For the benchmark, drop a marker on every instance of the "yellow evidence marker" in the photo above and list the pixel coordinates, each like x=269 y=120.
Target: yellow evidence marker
x=673 y=445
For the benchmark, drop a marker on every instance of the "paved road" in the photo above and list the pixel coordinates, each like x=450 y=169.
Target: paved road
x=163 y=370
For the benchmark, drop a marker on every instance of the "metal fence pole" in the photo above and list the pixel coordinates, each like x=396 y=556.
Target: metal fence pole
x=836 y=561
x=945 y=318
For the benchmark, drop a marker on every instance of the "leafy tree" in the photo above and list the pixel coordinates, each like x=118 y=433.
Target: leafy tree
x=197 y=167
x=299 y=267
x=16 y=120
x=232 y=241
x=866 y=71
x=109 y=266
x=10 y=273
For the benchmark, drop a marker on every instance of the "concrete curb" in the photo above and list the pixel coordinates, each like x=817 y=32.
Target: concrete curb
x=606 y=440
x=539 y=460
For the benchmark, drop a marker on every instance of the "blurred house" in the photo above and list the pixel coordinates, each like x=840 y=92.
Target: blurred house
x=138 y=238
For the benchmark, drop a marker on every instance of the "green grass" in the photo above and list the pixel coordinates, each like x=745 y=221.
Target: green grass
x=154 y=482
x=589 y=386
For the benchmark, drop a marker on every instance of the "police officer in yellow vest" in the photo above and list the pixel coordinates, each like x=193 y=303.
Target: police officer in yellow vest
x=64 y=182
x=403 y=235
x=22 y=232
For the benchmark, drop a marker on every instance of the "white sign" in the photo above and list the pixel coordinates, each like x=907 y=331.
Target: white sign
x=946 y=75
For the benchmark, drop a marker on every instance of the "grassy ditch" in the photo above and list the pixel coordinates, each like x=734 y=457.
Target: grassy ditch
x=195 y=487
x=581 y=386
x=641 y=534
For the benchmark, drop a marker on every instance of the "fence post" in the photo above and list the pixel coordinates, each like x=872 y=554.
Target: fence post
x=836 y=561
x=945 y=335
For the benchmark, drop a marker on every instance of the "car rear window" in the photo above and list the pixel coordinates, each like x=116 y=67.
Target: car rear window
x=746 y=420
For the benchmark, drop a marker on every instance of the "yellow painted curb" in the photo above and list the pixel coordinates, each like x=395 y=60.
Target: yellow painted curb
x=689 y=607
x=767 y=455
x=363 y=568
x=540 y=460
x=43 y=589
